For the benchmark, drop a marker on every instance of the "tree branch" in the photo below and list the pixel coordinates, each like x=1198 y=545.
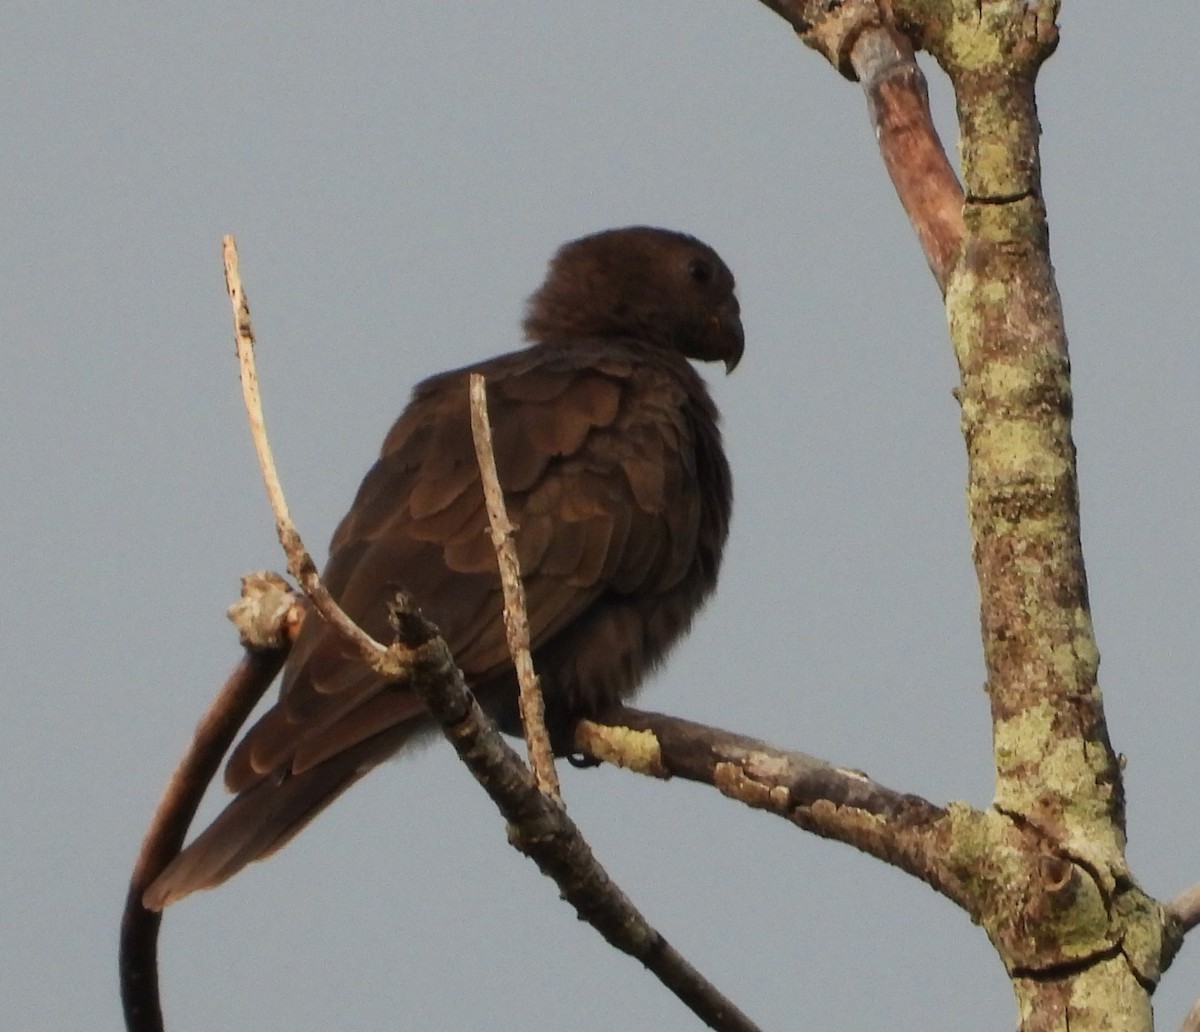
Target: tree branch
x=389 y=662
x=1095 y=941
x=516 y=619
x=539 y=827
x=1055 y=764
x=1191 y=1022
x=863 y=44
x=1185 y=909
x=912 y=151
x=138 y=962
x=836 y=803
x=664 y=746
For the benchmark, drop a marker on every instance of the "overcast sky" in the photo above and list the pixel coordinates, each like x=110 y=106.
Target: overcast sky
x=397 y=176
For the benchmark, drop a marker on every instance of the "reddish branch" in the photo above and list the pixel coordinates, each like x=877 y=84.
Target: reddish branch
x=898 y=103
x=863 y=44
x=168 y=828
x=1185 y=909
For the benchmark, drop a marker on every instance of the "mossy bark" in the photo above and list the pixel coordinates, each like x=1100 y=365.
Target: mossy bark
x=1069 y=945
x=1043 y=869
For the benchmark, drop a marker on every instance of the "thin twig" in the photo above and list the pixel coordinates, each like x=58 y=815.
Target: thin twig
x=300 y=563
x=516 y=619
x=168 y=828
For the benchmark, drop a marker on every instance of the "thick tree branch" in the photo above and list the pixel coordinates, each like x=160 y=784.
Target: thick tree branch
x=1055 y=765
x=516 y=619
x=1092 y=943
x=1099 y=946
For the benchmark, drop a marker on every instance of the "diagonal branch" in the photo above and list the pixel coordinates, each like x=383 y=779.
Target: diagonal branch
x=863 y=44
x=539 y=827
x=898 y=104
x=300 y=563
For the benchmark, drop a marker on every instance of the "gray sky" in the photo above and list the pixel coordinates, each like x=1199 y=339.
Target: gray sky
x=397 y=176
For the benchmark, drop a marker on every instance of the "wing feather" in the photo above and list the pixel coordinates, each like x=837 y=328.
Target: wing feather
x=598 y=470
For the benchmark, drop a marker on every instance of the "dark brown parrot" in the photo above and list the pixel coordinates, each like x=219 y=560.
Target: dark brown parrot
x=610 y=458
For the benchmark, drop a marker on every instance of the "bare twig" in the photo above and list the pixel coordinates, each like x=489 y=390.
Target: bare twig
x=516 y=619
x=168 y=828
x=1185 y=908
x=300 y=563
x=898 y=103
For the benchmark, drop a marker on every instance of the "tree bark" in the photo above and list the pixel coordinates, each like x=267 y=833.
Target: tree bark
x=1083 y=944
